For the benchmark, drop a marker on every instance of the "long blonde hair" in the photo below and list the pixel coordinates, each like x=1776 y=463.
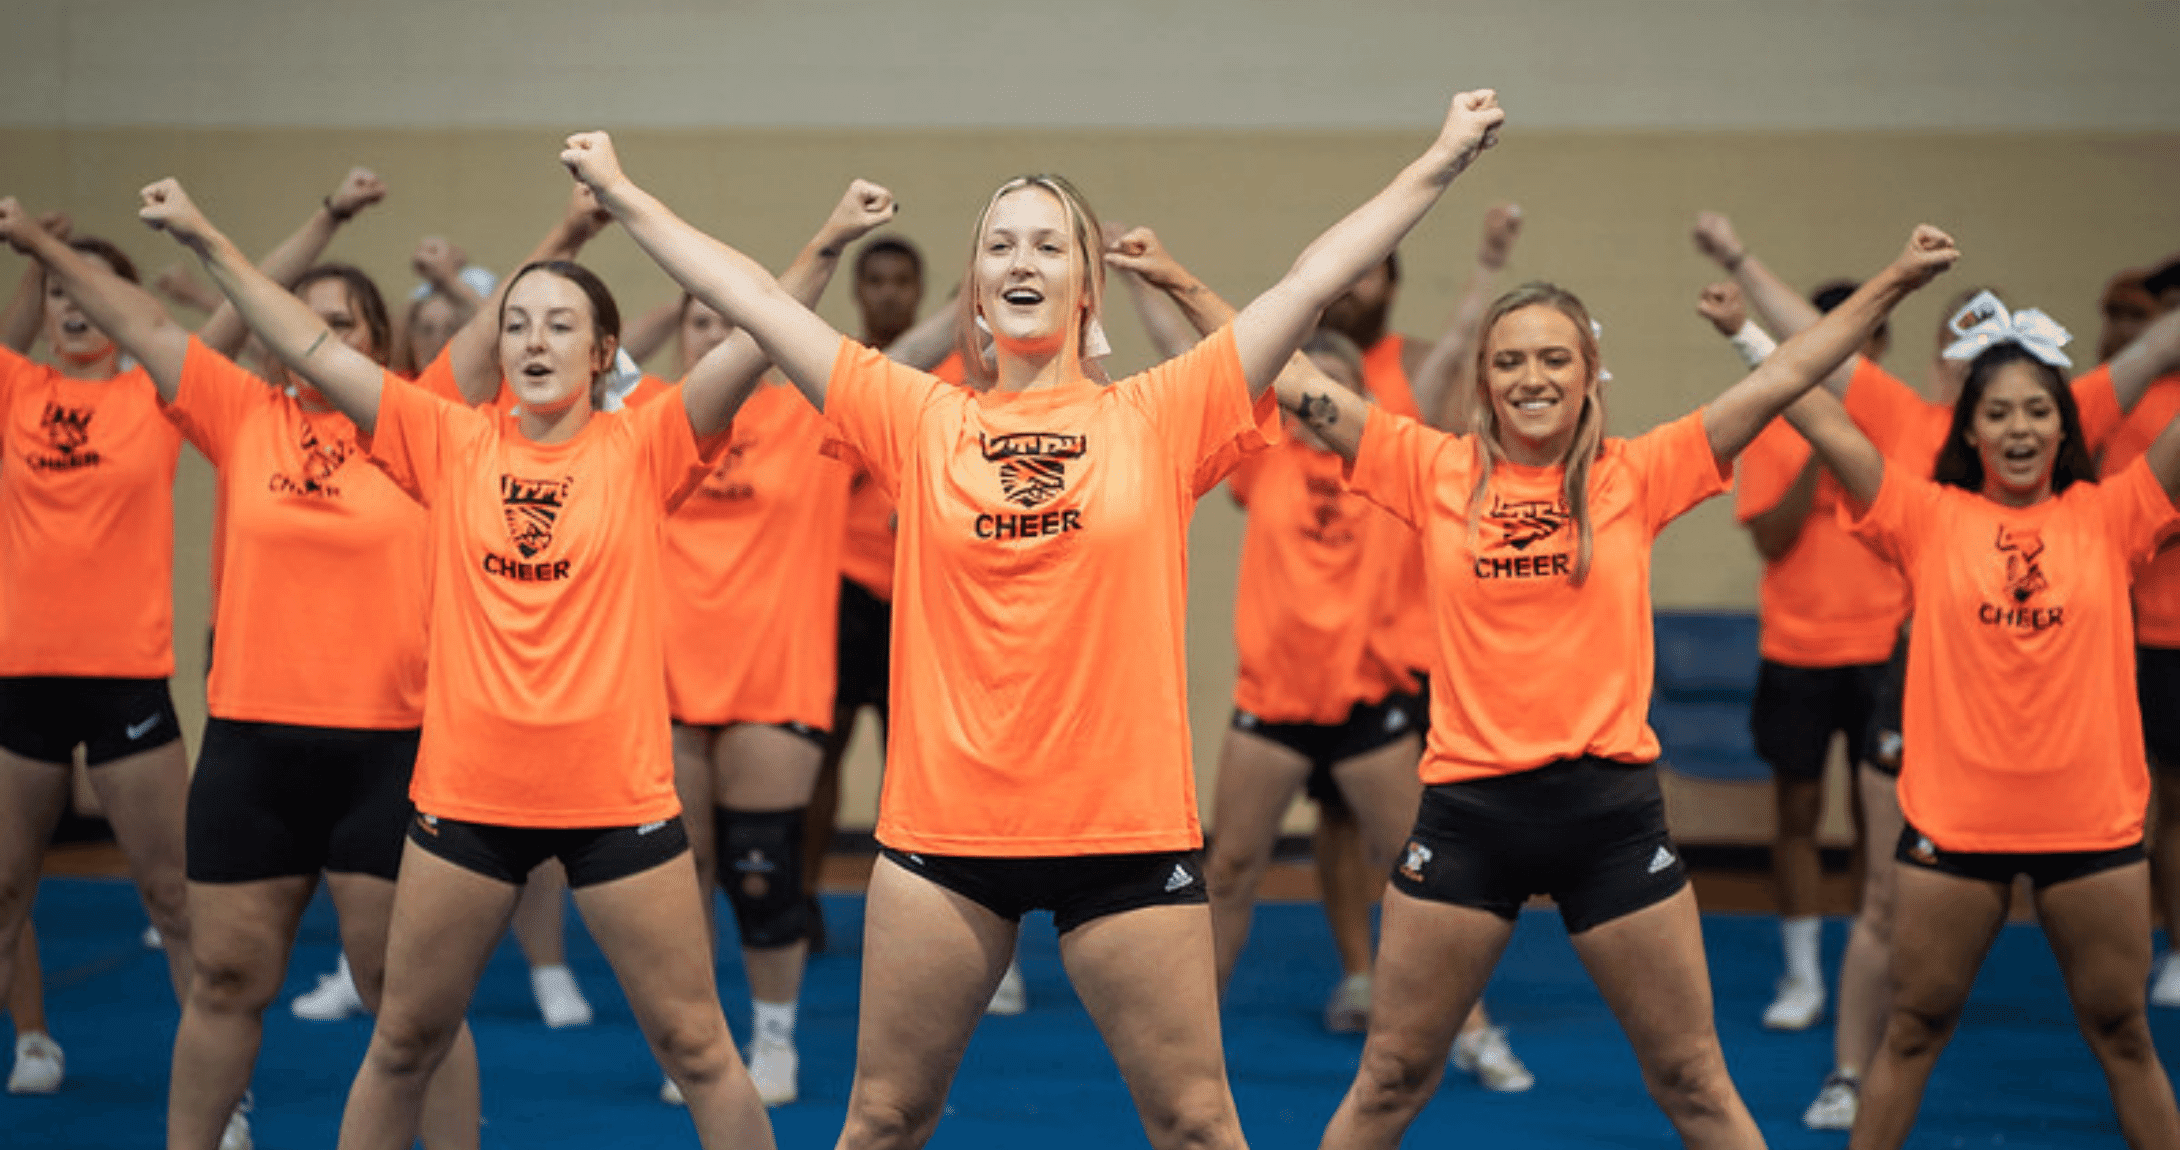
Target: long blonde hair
x=1089 y=242
x=1589 y=432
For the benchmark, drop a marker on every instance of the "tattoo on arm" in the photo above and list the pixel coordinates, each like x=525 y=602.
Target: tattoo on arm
x=1317 y=410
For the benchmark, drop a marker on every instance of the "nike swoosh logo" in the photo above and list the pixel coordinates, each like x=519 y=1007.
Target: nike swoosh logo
x=139 y=730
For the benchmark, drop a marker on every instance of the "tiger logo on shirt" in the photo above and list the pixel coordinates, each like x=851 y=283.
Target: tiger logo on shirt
x=321 y=458
x=67 y=439
x=1519 y=525
x=721 y=482
x=531 y=507
x=2022 y=553
x=1332 y=518
x=1032 y=469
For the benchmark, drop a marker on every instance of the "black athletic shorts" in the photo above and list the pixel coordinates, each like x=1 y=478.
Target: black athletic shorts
x=2044 y=870
x=46 y=717
x=803 y=731
x=2157 y=685
x=592 y=855
x=862 y=672
x=1796 y=709
x=1076 y=889
x=1368 y=726
x=274 y=801
x=1883 y=742
x=1588 y=832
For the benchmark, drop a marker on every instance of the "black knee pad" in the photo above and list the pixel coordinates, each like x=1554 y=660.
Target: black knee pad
x=760 y=868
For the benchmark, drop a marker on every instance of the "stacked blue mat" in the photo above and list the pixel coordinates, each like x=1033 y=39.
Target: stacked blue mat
x=1706 y=676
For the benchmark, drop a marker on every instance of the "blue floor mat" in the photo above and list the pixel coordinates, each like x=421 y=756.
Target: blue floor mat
x=2017 y=1075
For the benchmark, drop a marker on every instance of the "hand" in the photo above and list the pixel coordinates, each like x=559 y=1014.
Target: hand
x=16 y=225
x=359 y=190
x=1502 y=226
x=436 y=261
x=584 y=218
x=1472 y=124
x=863 y=208
x=1929 y=254
x=1721 y=303
x=1138 y=251
x=590 y=159
x=57 y=225
x=167 y=208
x=1715 y=238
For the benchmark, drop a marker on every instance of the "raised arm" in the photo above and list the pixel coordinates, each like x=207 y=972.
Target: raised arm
x=225 y=332
x=127 y=313
x=474 y=351
x=732 y=284
x=1776 y=528
x=1834 y=438
x=1779 y=308
x=928 y=341
x=1333 y=412
x=2154 y=353
x=1803 y=361
x=19 y=322
x=187 y=291
x=1274 y=324
x=1442 y=380
x=717 y=385
x=650 y=331
x=284 y=324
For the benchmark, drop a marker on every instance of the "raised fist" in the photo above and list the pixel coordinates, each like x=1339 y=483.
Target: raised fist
x=1929 y=253
x=15 y=224
x=437 y=261
x=1472 y=123
x=1138 y=250
x=863 y=207
x=167 y=208
x=359 y=190
x=590 y=159
x=1715 y=238
x=1502 y=226
x=57 y=225
x=1721 y=303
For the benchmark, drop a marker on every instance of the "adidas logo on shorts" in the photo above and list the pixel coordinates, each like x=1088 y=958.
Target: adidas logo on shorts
x=1180 y=879
x=1661 y=860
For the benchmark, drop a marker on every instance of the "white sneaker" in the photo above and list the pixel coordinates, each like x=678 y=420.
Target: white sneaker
x=237 y=1134
x=2165 y=988
x=1348 y=1010
x=558 y=998
x=38 y=1064
x=153 y=940
x=335 y=998
x=1798 y=1005
x=772 y=1068
x=1485 y=1054
x=1835 y=1106
x=670 y=1093
x=1012 y=995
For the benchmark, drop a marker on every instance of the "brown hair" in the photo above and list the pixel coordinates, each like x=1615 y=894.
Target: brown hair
x=1089 y=241
x=104 y=249
x=363 y=295
x=1960 y=465
x=1589 y=433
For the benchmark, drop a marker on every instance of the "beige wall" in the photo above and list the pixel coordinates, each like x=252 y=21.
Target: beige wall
x=2046 y=216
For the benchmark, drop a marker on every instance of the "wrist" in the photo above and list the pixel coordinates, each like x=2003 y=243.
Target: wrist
x=336 y=212
x=1733 y=260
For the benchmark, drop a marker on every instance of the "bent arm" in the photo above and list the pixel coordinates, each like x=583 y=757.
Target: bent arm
x=2154 y=353
x=930 y=340
x=1776 y=530
x=1779 y=308
x=1832 y=434
x=1443 y=379
x=474 y=349
x=128 y=314
x=19 y=323
x=225 y=332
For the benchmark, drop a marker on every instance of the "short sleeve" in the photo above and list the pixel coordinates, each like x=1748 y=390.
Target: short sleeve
x=1677 y=469
x=1897 y=521
x=1392 y=461
x=1767 y=468
x=674 y=458
x=874 y=406
x=16 y=371
x=416 y=433
x=214 y=396
x=1881 y=405
x=1199 y=402
x=2098 y=402
x=1244 y=478
x=2137 y=511
x=438 y=376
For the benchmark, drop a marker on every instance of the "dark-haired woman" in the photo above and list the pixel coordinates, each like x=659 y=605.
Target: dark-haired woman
x=2019 y=562
x=1537 y=531
x=545 y=719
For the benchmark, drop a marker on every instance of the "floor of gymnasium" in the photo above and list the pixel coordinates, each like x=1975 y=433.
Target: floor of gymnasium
x=2017 y=1075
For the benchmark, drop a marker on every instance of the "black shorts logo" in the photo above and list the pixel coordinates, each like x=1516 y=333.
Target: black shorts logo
x=1924 y=851
x=67 y=439
x=1033 y=464
x=1413 y=860
x=531 y=507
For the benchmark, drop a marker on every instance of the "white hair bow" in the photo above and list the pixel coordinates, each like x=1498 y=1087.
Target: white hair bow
x=1597 y=334
x=1984 y=323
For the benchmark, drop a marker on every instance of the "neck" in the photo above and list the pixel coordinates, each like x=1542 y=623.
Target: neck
x=554 y=426
x=882 y=338
x=2006 y=496
x=97 y=366
x=1550 y=452
x=1032 y=371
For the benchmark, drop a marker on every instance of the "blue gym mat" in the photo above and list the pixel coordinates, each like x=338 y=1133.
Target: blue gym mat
x=2017 y=1075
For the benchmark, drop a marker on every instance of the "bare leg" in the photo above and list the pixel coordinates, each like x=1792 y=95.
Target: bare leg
x=26 y=1002
x=1942 y=929
x=1797 y=874
x=146 y=796
x=1346 y=885
x=451 y=1105
x=32 y=797
x=1147 y=980
x=541 y=920
x=1865 y=973
x=2099 y=930
x=693 y=783
x=2165 y=850
x=931 y=959
x=1258 y=778
x=642 y=923
x=243 y=932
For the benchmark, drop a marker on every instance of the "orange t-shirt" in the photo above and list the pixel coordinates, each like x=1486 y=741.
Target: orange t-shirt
x=749 y=560
x=1318 y=565
x=867 y=555
x=86 y=525
x=438 y=379
x=1907 y=427
x=325 y=560
x=2021 y=726
x=2157 y=583
x=1404 y=639
x=1530 y=668
x=1039 y=688
x=1829 y=601
x=546 y=701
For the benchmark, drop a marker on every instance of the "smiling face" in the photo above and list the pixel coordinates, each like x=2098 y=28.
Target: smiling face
x=1535 y=376
x=2016 y=430
x=550 y=349
x=67 y=330
x=1030 y=273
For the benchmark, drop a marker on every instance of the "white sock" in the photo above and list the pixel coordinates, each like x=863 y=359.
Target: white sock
x=1800 y=936
x=775 y=1022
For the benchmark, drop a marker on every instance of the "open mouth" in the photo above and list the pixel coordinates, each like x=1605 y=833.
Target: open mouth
x=1022 y=296
x=1537 y=403
x=536 y=370
x=74 y=326
x=2019 y=454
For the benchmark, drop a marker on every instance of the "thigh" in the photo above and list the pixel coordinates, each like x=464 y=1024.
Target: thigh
x=931 y=959
x=1882 y=824
x=649 y=925
x=365 y=904
x=1257 y=780
x=146 y=796
x=1434 y=959
x=367 y=832
x=32 y=796
x=1650 y=969
x=1943 y=925
x=2099 y=930
x=446 y=921
x=693 y=783
x=763 y=767
x=255 y=812
x=125 y=718
x=1148 y=980
x=1382 y=789
x=243 y=930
